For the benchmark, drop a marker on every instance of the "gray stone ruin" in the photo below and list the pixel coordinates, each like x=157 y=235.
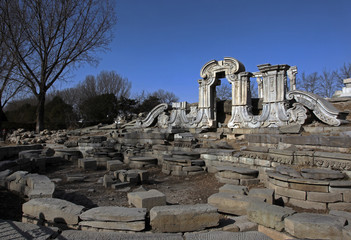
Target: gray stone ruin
x=282 y=104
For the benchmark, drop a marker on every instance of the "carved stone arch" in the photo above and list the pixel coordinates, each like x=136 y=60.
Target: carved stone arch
x=210 y=73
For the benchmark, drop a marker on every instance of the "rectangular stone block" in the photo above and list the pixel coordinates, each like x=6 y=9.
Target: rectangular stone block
x=278 y=182
x=341 y=206
x=247 y=161
x=263 y=163
x=292 y=193
x=183 y=218
x=128 y=226
x=324 y=197
x=147 y=199
x=309 y=187
x=308 y=204
x=231 y=203
x=268 y=215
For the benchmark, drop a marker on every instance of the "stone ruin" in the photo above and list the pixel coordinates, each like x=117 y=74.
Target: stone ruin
x=284 y=160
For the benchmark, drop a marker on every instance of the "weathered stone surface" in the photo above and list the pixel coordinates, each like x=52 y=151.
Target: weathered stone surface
x=231 y=203
x=296 y=128
x=289 y=171
x=23 y=231
x=341 y=206
x=321 y=174
x=314 y=226
x=114 y=214
x=108 y=180
x=40 y=186
x=266 y=194
x=183 y=218
x=243 y=171
x=227 y=180
x=343 y=214
x=308 y=204
x=130 y=226
x=346 y=232
x=309 y=186
x=53 y=210
x=292 y=193
x=274 y=234
x=221 y=235
x=88 y=164
x=234 y=189
x=147 y=199
x=115 y=165
x=324 y=197
x=81 y=235
x=268 y=215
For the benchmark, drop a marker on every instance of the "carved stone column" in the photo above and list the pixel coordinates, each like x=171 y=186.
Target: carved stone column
x=274 y=90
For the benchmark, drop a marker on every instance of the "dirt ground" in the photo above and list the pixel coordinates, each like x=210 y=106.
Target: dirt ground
x=90 y=192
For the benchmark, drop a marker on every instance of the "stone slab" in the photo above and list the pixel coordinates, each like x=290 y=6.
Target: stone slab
x=183 y=218
x=129 y=226
x=308 y=204
x=108 y=235
x=321 y=174
x=116 y=214
x=234 y=189
x=231 y=203
x=264 y=193
x=147 y=199
x=53 y=210
x=268 y=215
x=315 y=226
x=324 y=197
x=222 y=235
x=243 y=171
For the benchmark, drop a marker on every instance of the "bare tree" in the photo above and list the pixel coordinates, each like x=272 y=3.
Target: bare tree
x=310 y=82
x=164 y=96
x=328 y=83
x=112 y=82
x=224 y=91
x=49 y=37
x=343 y=73
x=10 y=85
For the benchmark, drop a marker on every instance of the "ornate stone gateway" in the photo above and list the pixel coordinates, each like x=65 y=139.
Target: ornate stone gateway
x=282 y=105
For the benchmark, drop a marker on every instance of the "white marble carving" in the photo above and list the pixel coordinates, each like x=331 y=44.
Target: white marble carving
x=321 y=108
x=152 y=116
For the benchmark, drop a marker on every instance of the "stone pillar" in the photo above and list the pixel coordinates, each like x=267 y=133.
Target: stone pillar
x=274 y=90
x=292 y=76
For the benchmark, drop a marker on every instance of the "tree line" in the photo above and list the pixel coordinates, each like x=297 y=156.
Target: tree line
x=97 y=99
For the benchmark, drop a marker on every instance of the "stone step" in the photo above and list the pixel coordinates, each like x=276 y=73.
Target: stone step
x=183 y=218
x=315 y=226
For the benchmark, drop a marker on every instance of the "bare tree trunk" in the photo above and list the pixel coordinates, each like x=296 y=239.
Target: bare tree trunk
x=40 y=112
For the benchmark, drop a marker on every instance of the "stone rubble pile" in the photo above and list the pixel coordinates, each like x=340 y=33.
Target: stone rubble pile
x=183 y=164
x=23 y=137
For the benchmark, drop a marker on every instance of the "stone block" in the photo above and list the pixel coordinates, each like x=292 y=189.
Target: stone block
x=340 y=206
x=309 y=187
x=292 y=193
x=234 y=189
x=324 y=197
x=249 y=182
x=347 y=196
x=107 y=181
x=115 y=165
x=183 y=218
x=223 y=235
x=227 y=180
x=308 y=204
x=132 y=177
x=127 y=226
x=266 y=194
x=147 y=199
x=343 y=214
x=53 y=210
x=315 y=226
x=268 y=215
x=114 y=214
x=247 y=161
x=279 y=183
x=321 y=174
x=346 y=232
x=88 y=164
x=262 y=162
x=231 y=203
x=274 y=234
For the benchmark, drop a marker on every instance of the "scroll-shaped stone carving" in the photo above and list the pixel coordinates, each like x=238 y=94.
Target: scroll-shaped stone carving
x=297 y=114
x=152 y=116
x=321 y=108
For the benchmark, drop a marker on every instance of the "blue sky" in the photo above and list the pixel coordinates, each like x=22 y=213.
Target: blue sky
x=163 y=44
